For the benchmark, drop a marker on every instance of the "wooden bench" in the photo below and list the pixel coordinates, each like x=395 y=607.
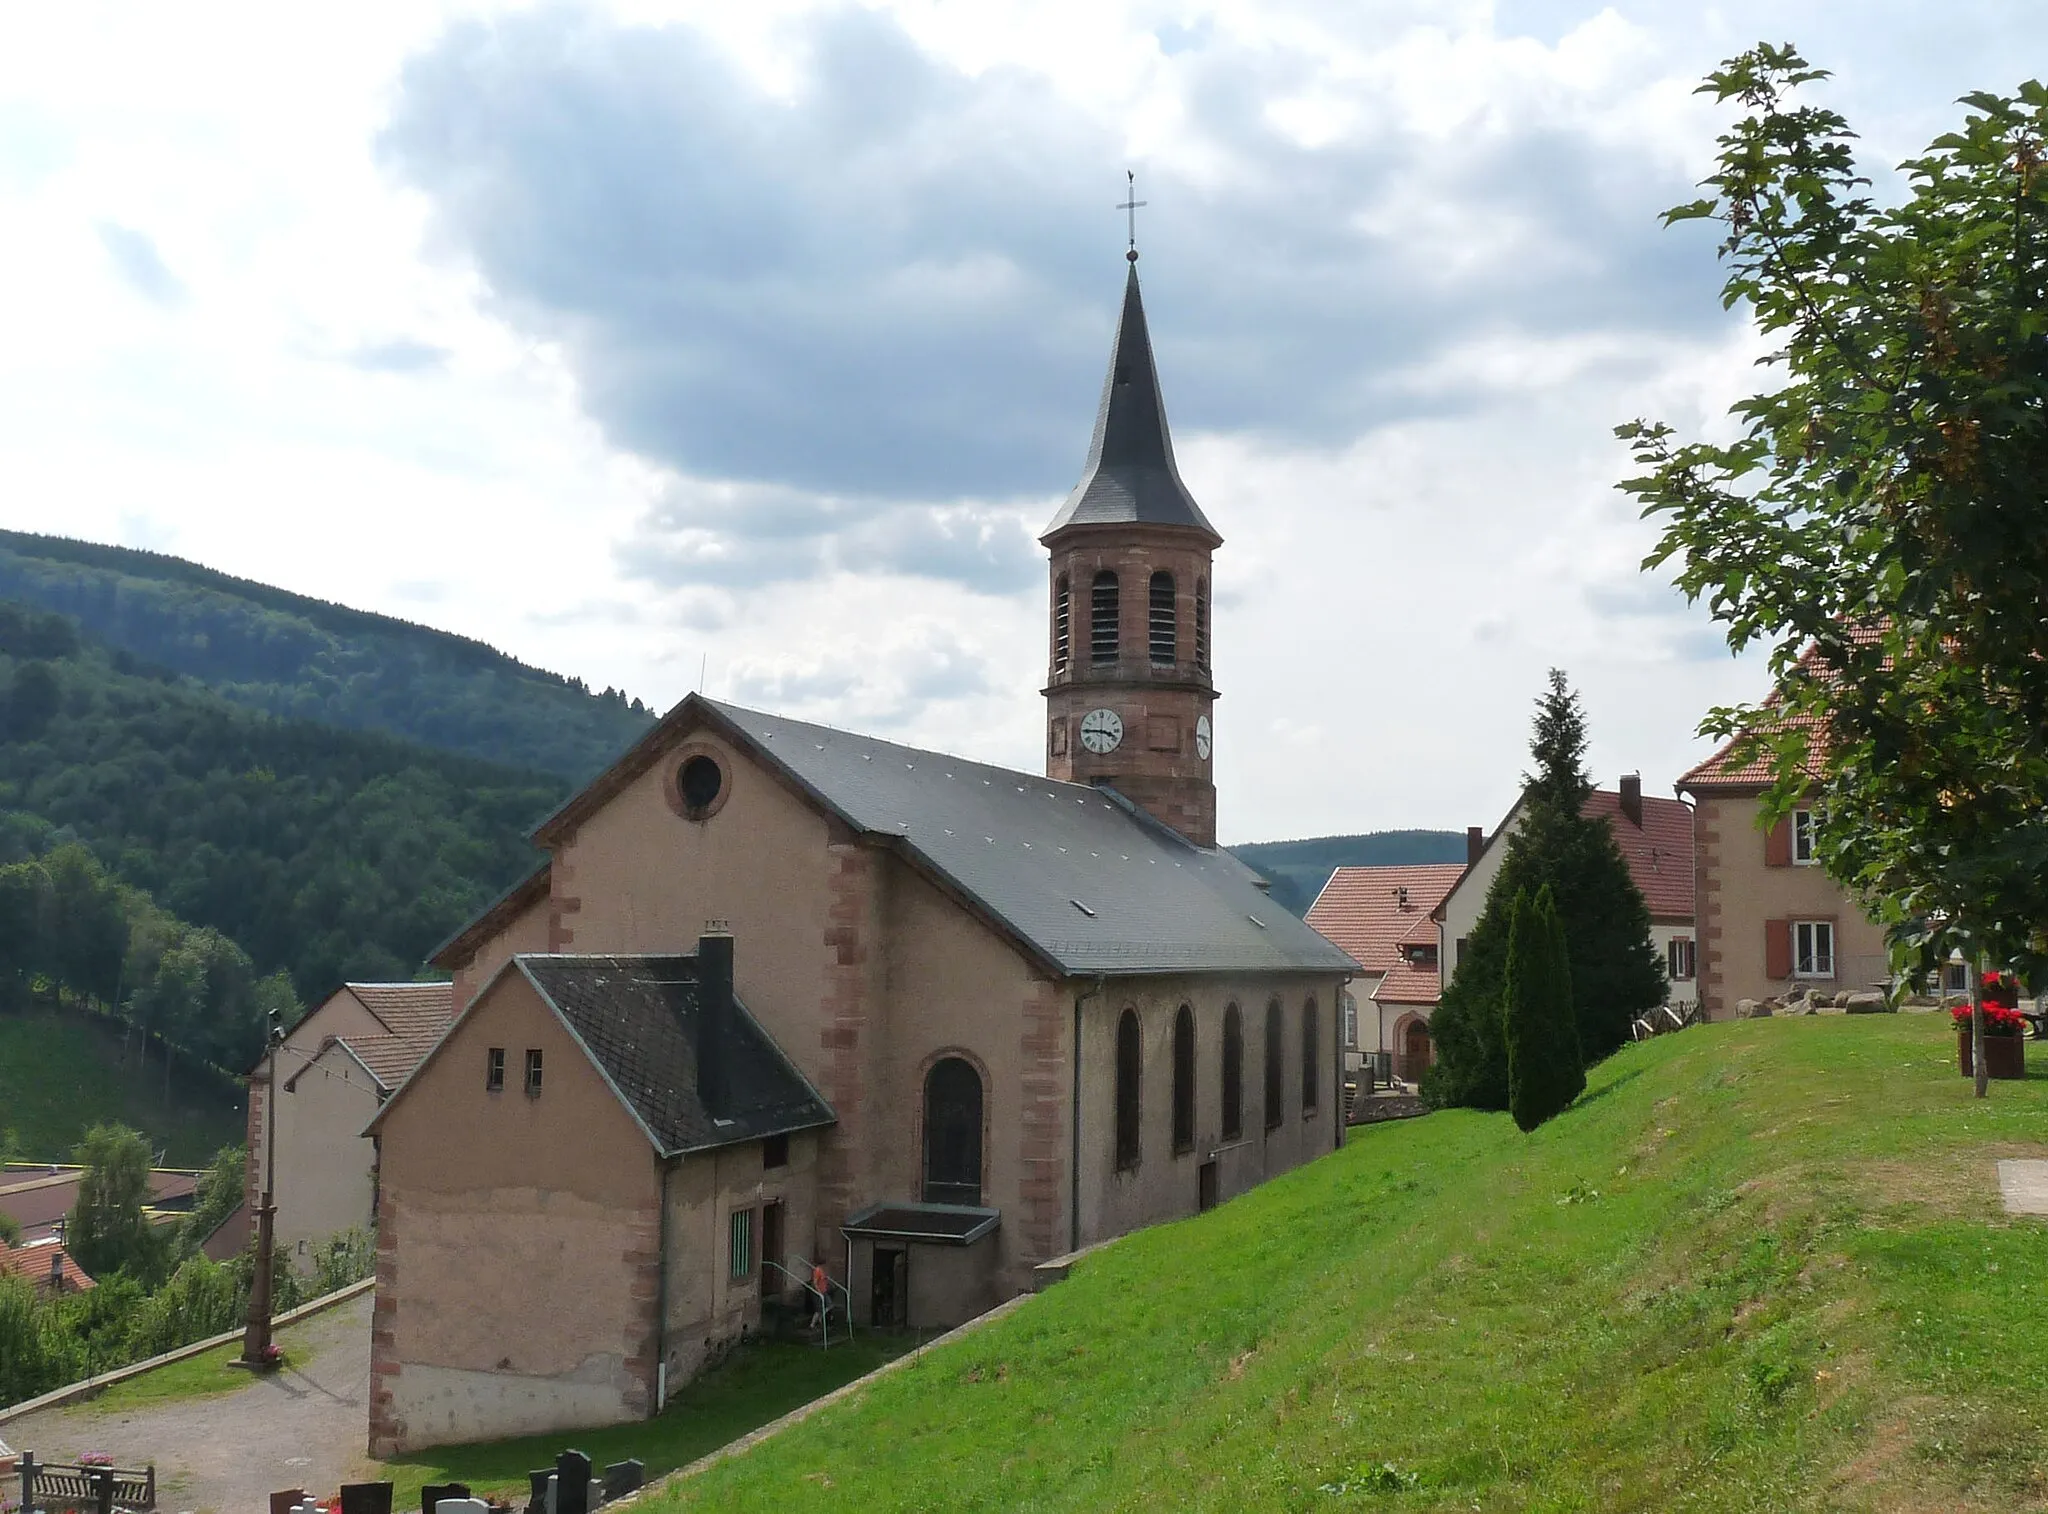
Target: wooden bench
x=61 y=1485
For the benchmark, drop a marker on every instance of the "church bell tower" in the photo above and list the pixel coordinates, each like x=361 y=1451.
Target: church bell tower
x=1129 y=701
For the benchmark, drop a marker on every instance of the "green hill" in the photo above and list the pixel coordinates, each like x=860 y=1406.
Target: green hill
x=1759 y=1266
x=329 y=853
x=1299 y=869
x=62 y=1072
x=309 y=660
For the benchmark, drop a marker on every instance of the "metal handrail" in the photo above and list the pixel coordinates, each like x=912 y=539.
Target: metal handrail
x=803 y=1281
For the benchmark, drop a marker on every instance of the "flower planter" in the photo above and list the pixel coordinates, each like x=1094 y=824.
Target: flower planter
x=2004 y=1056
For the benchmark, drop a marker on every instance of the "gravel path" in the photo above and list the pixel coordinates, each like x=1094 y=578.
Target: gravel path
x=303 y=1427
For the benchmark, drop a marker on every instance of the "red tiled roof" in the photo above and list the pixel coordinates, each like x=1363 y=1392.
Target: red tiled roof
x=417 y=1013
x=1360 y=911
x=1721 y=773
x=1659 y=852
x=32 y=1261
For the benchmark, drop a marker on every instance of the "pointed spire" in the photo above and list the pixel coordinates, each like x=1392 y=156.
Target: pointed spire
x=1130 y=475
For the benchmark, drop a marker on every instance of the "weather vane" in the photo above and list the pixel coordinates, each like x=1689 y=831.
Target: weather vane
x=1133 y=205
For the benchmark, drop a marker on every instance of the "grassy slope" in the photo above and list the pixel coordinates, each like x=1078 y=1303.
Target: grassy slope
x=1760 y=1266
x=62 y=1072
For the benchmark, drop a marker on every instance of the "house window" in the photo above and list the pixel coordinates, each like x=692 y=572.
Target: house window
x=952 y=1132
x=1803 y=854
x=775 y=1152
x=742 y=1244
x=1813 y=949
x=1955 y=977
x=1233 y=1074
x=1162 y=624
x=532 y=1074
x=1129 y=1070
x=494 y=1069
x=1202 y=624
x=1102 y=612
x=1680 y=962
x=1311 y=1059
x=1350 y=1022
x=1276 y=1083
x=1062 y=625
x=1184 y=1081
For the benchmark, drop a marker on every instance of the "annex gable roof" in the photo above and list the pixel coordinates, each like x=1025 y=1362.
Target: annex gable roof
x=1078 y=878
x=1659 y=852
x=1362 y=909
x=635 y=1018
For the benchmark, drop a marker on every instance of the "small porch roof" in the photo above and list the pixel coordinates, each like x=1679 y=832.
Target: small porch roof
x=935 y=1224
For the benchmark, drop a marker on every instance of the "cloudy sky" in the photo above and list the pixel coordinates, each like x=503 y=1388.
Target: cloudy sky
x=645 y=338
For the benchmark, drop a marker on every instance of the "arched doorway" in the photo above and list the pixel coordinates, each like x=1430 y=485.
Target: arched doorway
x=952 y=1132
x=1417 y=1051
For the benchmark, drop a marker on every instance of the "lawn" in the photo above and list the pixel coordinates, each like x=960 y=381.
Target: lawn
x=1758 y=1267
x=203 y=1376
x=63 y=1071
x=757 y=1384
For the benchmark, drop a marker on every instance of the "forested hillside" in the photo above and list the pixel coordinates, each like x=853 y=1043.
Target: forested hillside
x=1299 y=869
x=309 y=660
x=331 y=854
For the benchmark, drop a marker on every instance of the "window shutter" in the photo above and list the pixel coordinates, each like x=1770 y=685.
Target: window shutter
x=1778 y=844
x=1777 y=948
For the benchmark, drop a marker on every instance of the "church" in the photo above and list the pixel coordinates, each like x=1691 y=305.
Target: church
x=784 y=998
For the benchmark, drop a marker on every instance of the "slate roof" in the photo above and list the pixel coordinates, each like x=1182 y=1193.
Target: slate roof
x=637 y=1018
x=1085 y=881
x=1359 y=908
x=1130 y=476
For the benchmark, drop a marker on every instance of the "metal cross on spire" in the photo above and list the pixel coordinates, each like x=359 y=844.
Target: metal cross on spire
x=1133 y=205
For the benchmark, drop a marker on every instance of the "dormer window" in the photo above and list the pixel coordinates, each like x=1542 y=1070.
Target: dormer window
x=1162 y=621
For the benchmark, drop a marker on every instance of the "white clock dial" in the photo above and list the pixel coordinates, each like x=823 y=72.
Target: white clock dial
x=1203 y=740
x=1101 y=731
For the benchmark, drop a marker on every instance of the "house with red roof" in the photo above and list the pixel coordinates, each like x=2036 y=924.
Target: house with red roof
x=1656 y=838
x=333 y=1072
x=47 y=1265
x=1381 y=918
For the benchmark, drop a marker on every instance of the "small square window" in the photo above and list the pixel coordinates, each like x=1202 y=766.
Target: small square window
x=775 y=1151
x=532 y=1074
x=494 y=1069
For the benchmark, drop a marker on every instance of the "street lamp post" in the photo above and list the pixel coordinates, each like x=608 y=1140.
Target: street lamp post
x=256 y=1334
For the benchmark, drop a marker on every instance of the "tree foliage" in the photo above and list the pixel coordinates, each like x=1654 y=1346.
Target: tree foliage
x=1612 y=967
x=1879 y=522
x=1539 y=1025
x=108 y=1231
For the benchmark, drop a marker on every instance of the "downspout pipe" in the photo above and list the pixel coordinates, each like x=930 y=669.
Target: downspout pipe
x=1074 y=1136
x=668 y=1167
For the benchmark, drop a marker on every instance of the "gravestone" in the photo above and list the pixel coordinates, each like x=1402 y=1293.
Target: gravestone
x=286 y=1499
x=572 y=1483
x=434 y=1492
x=366 y=1498
x=464 y=1506
x=623 y=1477
x=537 y=1490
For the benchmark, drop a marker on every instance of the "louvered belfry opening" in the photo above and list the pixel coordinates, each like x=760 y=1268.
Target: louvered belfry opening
x=1162 y=619
x=1202 y=624
x=1062 y=625
x=1102 y=613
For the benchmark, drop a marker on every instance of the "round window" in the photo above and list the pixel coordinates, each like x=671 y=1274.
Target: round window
x=699 y=782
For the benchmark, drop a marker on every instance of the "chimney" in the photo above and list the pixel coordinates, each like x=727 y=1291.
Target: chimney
x=56 y=1271
x=714 y=1020
x=1475 y=843
x=1632 y=798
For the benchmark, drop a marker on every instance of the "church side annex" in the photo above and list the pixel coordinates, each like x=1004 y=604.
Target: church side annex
x=786 y=996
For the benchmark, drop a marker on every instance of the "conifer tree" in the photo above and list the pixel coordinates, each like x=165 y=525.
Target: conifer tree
x=1538 y=1026
x=1613 y=969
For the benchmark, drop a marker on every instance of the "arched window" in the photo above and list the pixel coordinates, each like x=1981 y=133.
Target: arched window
x=1062 y=625
x=952 y=1133
x=1163 y=624
x=1233 y=1074
x=1129 y=1070
x=1311 y=1059
x=1184 y=1080
x=1102 y=628
x=1202 y=623
x=1276 y=1051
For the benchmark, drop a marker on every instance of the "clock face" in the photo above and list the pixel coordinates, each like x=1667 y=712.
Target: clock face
x=1203 y=739
x=1101 y=731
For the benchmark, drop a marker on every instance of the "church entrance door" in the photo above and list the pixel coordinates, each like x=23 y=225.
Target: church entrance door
x=889 y=1294
x=1415 y=1051
x=1205 y=1186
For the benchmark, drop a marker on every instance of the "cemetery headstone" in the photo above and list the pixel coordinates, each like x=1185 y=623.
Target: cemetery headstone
x=366 y=1498
x=464 y=1506
x=623 y=1477
x=537 y=1490
x=286 y=1499
x=434 y=1492
x=572 y=1483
